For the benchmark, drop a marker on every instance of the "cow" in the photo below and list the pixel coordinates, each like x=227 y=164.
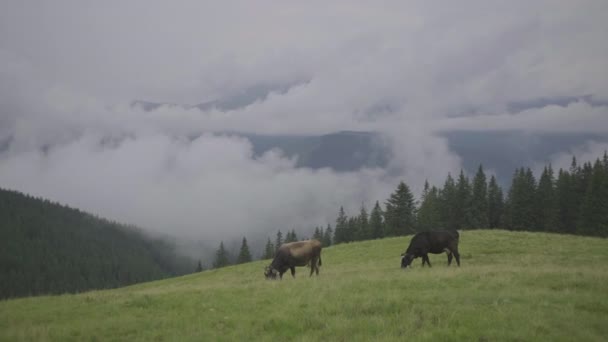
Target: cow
x=431 y=242
x=290 y=255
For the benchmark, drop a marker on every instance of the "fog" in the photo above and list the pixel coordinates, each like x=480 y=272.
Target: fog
x=69 y=72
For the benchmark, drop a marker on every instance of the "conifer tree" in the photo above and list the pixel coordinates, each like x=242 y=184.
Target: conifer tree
x=279 y=240
x=546 y=201
x=479 y=201
x=375 y=222
x=341 y=227
x=318 y=234
x=593 y=218
x=495 y=204
x=288 y=237
x=362 y=230
x=462 y=203
x=244 y=254
x=578 y=187
x=291 y=236
x=327 y=235
x=448 y=203
x=268 y=250
x=351 y=229
x=521 y=201
x=429 y=215
x=199 y=267
x=400 y=214
x=567 y=205
x=221 y=257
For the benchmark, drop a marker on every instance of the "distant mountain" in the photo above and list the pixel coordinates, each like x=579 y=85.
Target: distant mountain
x=501 y=151
x=239 y=99
x=47 y=248
x=341 y=151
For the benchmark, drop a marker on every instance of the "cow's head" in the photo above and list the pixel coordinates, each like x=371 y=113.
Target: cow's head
x=406 y=260
x=270 y=273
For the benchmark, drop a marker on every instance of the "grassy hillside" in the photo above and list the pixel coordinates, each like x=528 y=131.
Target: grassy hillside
x=511 y=286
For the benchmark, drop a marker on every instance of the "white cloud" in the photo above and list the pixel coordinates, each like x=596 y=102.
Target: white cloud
x=404 y=68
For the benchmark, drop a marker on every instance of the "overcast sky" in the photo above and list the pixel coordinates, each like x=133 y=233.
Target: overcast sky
x=69 y=71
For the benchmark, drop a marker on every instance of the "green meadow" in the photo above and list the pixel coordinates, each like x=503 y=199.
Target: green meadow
x=511 y=286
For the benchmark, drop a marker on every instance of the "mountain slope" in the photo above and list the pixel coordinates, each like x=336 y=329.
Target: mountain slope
x=49 y=248
x=511 y=286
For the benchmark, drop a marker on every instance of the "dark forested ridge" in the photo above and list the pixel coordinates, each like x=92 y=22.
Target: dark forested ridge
x=47 y=248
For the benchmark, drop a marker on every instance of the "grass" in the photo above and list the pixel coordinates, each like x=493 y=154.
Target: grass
x=511 y=286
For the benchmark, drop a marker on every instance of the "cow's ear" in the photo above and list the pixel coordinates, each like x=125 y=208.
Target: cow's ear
x=402 y=254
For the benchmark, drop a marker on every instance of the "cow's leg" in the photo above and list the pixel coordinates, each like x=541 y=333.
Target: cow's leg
x=317 y=267
x=313 y=267
x=293 y=271
x=426 y=258
x=449 y=258
x=454 y=249
x=281 y=275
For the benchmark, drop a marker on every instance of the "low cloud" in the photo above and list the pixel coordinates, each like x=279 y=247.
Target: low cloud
x=407 y=70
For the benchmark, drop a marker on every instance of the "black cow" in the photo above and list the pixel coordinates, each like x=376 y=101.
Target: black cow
x=290 y=255
x=432 y=242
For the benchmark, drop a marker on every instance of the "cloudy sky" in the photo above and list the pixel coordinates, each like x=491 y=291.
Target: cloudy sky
x=70 y=71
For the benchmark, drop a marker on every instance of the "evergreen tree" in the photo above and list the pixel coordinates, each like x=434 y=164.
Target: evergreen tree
x=448 y=203
x=495 y=204
x=593 y=218
x=268 y=250
x=521 y=201
x=244 y=254
x=327 y=236
x=318 y=234
x=291 y=236
x=479 y=201
x=462 y=204
x=362 y=231
x=566 y=202
x=429 y=214
x=400 y=215
x=340 y=234
x=351 y=229
x=278 y=241
x=375 y=222
x=578 y=184
x=546 y=201
x=221 y=257
x=199 y=267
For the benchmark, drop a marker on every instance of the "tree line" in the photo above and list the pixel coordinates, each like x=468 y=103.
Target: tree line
x=575 y=201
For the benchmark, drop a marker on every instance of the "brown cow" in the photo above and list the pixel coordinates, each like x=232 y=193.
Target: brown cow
x=290 y=255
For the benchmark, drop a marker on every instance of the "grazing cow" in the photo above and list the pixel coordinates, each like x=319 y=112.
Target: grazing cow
x=431 y=242
x=290 y=255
